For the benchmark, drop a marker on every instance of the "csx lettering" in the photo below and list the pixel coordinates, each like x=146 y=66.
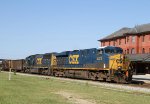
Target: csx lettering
x=39 y=60
x=73 y=59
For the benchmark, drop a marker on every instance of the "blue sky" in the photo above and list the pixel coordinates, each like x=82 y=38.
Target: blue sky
x=41 y=26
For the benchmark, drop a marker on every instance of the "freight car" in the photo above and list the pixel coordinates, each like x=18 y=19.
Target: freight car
x=15 y=65
x=6 y=65
x=106 y=63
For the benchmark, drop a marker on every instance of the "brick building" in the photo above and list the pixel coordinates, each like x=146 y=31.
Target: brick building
x=131 y=40
x=134 y=42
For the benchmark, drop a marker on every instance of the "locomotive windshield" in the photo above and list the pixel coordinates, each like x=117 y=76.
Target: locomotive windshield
x=110 y=50
x=119 y=50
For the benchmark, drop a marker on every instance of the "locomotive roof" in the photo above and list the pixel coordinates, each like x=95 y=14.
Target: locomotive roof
x=108 y=47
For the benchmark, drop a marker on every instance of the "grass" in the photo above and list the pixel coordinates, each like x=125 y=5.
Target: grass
x=34 y=90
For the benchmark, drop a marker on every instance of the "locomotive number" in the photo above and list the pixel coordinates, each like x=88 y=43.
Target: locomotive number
x=99 y=58
x=73 y=59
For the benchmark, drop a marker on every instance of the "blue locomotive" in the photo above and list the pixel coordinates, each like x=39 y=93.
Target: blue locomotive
x=38 y=63
x=105 y=63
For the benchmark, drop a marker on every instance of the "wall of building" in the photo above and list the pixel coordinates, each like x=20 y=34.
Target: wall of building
x=144 y=45
x=131 y=44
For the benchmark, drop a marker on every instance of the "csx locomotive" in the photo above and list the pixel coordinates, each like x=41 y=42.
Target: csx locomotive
x=105 y=63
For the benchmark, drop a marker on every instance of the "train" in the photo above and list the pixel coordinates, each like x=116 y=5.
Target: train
x=104 y=64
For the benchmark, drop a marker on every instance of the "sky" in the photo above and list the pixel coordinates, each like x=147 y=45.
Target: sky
x=41 y=26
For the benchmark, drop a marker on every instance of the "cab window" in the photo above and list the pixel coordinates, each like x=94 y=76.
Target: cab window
x=100 y=51
x=119 y=51
x=107 y=51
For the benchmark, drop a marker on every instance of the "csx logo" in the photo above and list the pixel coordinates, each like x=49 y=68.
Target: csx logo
x=39 y=61
x=73 y=59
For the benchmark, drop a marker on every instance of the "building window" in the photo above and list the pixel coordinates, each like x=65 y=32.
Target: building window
x=103 y=43
x=127 y=51
x=143 y=50
x=132 y=51
x=114 y=42
x=143 y=38
x=127 y=39
x=133 y=39
x=119 y=41
x=109 y=43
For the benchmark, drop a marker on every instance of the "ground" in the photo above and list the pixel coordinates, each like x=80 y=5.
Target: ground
x=38 y=90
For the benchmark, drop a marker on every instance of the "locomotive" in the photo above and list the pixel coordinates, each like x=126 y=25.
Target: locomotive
x=39 y=64
x=105 y=63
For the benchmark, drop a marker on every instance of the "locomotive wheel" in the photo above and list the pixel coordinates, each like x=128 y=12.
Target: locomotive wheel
x=92 y=76
x=120 y=78
x=27 y=70
x=117 y=79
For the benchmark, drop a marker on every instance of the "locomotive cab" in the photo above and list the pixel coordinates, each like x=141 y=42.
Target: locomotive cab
x=116 y=63
x=104 y=54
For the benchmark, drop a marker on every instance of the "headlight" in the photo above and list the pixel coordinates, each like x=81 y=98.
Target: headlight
x=119 y=67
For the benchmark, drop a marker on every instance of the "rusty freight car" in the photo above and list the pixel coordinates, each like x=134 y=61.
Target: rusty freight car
x=15 y=65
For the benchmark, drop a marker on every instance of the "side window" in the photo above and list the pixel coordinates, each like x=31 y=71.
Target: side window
x=132 y=51
x=100 y=51
x=119 y=41
x=143 y=38
x=143 y=50
x=127 y=51
x=113 y=43
x=127 y=39
x=133 y=39
x=103 y=43
x=107 y=51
